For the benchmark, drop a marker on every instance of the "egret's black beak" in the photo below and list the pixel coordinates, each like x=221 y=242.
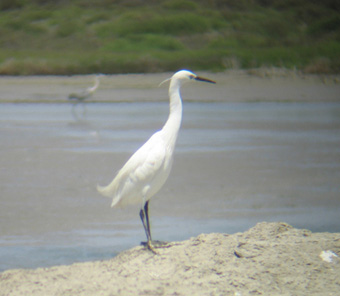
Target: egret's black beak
x=204 y=79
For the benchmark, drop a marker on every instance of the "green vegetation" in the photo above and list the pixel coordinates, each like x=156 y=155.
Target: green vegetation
x=112 y=36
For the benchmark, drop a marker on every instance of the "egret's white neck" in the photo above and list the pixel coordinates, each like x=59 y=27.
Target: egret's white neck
x=172 y=125
x=96 y=84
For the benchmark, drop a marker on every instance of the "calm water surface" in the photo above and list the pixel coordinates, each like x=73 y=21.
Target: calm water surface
x=236 y=164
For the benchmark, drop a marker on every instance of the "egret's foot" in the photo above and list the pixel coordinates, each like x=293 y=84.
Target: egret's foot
x=152 y=245
x=149 y=245
x=155 y=244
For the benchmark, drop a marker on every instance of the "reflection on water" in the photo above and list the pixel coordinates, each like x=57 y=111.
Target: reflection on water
x=236 y=164
x=79 y=111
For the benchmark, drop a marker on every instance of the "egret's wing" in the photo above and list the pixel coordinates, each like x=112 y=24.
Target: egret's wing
x=149 y=160
x=84 y=94
x=137 y=173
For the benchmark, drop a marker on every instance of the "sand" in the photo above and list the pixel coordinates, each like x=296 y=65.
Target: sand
x=268 y=259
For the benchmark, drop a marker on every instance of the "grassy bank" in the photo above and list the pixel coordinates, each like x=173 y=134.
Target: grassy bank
x=83 y=36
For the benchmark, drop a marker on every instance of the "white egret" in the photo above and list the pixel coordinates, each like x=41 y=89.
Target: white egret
x=146 y=171
x=81 y=96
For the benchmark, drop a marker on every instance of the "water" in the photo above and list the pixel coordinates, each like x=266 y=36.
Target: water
x=236 y=164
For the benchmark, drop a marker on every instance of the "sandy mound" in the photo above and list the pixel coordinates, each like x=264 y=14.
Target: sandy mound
x=268 y=259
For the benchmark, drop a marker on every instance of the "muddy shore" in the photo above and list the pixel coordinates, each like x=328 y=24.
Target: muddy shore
x=277 y=85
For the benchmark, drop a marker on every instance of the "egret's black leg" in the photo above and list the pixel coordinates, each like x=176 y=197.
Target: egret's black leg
x=146 y=210
x=151 y=245
x=84 y=108
x=145 y=220
x=142 y=217
x=74 y=111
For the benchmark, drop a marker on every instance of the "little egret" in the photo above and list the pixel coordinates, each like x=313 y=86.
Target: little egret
x=146 y=171
x=81 y=96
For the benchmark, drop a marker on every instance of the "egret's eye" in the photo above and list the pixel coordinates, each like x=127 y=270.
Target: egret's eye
x=192 y=76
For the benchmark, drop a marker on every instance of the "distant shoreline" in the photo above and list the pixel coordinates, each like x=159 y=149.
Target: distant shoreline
x=254 y=85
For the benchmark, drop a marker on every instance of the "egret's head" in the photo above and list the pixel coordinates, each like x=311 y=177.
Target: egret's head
x=185 y=75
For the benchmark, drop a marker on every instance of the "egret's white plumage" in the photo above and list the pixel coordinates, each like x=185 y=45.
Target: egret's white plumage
x=146 y=171
x=81 y=96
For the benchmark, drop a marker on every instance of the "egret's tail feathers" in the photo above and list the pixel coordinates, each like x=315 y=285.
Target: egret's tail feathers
x=73 y=97
x=107 y=191
x=103 y=190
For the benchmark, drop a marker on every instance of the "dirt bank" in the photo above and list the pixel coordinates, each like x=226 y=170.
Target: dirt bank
x=268 y=259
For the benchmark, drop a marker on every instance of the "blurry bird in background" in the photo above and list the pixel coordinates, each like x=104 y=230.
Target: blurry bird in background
x=81 y=96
